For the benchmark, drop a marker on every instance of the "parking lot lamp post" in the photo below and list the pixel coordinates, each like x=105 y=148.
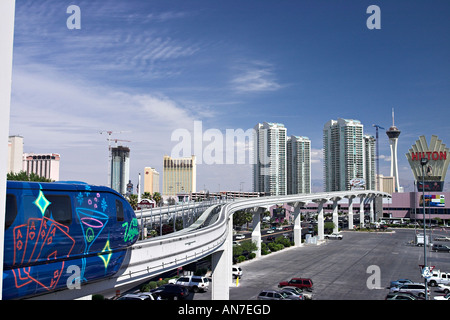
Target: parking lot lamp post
x=423 y=162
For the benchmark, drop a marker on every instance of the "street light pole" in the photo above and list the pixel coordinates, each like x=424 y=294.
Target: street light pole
x=423 y=162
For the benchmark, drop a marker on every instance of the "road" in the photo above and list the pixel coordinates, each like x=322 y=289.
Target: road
x=341 y=269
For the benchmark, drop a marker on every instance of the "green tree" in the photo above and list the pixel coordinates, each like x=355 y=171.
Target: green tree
x=146 y=195
x=242 y=217
x=157 y=197
x=133 y=200
x=23 y=176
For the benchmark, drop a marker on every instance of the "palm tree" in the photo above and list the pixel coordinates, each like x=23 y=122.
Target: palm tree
x=157 y=197
x=133 y=200
x=146 y=195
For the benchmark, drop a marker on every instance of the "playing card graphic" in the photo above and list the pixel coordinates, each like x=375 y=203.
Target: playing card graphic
x=41 y=241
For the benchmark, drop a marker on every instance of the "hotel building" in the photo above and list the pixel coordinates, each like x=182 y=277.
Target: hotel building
x=179 y=175
x=43 y=164
x=269 y=154
x=151 y=180
x=298 y=165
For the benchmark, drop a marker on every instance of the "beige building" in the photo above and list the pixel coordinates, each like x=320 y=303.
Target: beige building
x=179 y=175
x=151 y=180
x=43 y=164
x=15 y=153
x=385 y=184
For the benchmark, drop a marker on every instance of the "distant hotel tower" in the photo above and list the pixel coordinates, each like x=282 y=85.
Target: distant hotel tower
x=43 y=164
x=348 y=154
x=269 y=164
x=393 y=134
x=120 y=168
x=179 y=175
x=151 y=180
x=298 y=165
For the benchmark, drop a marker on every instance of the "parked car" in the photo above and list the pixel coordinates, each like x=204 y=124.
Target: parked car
x=415 y=288
x=170 y=292
x=307 y=294
x=240 y=236
x=402 y=296
x=138 y=296
x=399 y=282
x=149 y=295
x=442 y=239
x=270 y=238
x=237 y=272
x=297 y=282
x=270 y=231
x=271 y=295
x=194 y=283
x=445 y=297
x=334 y=235
x=439 y=277
x=292 y=295
x=440 y=247
x=444 y=288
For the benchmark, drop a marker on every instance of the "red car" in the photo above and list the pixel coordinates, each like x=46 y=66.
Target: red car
x=297 y=282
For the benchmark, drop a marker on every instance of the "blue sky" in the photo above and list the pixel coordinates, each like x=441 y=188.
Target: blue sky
x=148 y=68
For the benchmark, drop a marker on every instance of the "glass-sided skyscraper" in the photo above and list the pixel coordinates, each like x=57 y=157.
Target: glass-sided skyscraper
x=348 y=154
x=269 y=158
x=120 y=168
x=298 y=165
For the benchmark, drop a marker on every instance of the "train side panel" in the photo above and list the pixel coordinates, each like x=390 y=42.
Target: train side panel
x=59 y=234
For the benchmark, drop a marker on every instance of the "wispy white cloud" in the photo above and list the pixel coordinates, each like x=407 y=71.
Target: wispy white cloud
x=255 y=77
x=57 y=113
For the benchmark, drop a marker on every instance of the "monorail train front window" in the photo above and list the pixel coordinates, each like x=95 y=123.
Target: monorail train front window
x=119 y=210
x=60 y=209
x=11 y=210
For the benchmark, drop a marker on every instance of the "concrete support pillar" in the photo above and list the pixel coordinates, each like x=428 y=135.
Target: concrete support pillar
x=371 y=210
x=361 y=211
x=222 y=261
x=297 y=224
x=256 y=233
x=335 y=216
x=320 y=225
x=7 y=15
x=350 y=213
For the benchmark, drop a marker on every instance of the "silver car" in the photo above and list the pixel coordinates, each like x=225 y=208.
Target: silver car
x=271 y=295
x=415 y=288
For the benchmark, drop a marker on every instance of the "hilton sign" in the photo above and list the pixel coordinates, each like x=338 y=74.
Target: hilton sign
x=438 y=160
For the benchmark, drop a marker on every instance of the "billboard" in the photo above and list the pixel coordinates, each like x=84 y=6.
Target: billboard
x=432 y=176
x=357 y=184
x=433 y=200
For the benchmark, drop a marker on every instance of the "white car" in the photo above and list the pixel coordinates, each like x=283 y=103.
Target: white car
x=444 y=288
x=334 y=236
x=446 y=297
x=240 y=236
x=237 y=272
x=194 y=283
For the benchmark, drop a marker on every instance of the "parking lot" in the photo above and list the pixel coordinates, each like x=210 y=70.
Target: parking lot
x=345 y=269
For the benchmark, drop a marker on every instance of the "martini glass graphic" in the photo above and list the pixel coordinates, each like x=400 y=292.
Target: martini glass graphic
x=92 y=224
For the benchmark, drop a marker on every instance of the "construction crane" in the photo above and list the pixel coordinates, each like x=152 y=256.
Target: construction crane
x=378 y=152
x=115 y=141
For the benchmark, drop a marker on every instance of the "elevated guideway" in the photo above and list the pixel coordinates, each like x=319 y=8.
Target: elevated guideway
x=211 y=234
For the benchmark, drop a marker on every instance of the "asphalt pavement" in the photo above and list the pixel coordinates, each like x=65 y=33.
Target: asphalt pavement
x=359 y=267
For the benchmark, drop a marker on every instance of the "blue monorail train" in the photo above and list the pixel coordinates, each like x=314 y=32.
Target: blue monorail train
x=63 y=234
